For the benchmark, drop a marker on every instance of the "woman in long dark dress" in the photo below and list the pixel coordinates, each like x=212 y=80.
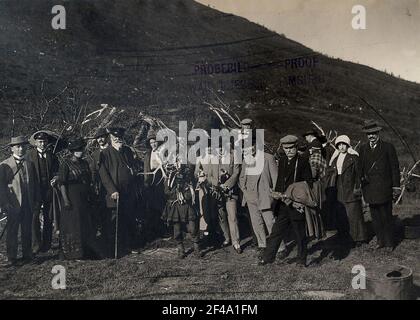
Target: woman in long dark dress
x=350 y=223
x=75 y=178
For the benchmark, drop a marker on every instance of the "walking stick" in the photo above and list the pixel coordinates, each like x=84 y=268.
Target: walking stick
x=116 y=229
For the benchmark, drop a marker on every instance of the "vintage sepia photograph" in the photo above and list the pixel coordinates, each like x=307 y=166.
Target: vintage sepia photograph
x=237 y=151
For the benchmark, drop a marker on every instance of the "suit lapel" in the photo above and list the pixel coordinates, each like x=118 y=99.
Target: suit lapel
x=16 y=179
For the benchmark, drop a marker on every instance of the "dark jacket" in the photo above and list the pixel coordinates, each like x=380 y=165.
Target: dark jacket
x=52 y=171
x=348 y=177
x=116 y=169
x=379 y=172
x=287 y=174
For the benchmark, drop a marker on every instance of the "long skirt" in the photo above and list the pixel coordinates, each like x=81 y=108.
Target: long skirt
x=350 y=217
x=75 y=223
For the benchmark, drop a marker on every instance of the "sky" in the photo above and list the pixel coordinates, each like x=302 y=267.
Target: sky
x=391 y=40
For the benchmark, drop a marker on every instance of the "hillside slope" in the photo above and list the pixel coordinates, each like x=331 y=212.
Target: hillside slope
x=137 y=53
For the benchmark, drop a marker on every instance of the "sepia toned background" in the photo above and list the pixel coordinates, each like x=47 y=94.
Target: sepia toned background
x=390 y=41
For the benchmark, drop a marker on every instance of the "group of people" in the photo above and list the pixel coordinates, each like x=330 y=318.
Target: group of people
x=102 y=202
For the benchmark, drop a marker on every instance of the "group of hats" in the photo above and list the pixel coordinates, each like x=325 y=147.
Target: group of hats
x=369 y=126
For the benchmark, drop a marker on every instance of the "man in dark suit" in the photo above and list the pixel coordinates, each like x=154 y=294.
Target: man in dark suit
x=379 y=175
x=46 y=166
x=117 y=171
x=102 y=213
x=292 y=168
x=19 y=197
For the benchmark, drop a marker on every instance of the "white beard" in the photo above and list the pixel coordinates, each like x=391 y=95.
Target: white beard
x=117 y=145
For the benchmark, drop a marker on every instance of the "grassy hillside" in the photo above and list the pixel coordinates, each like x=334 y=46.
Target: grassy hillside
x=140 y=53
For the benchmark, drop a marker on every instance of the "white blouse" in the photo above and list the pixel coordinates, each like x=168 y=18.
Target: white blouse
x=340 y=161
x=154 y=160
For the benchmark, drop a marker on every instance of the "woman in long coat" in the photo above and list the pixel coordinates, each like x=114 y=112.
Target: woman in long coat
x=75 y=179
x=350 y=222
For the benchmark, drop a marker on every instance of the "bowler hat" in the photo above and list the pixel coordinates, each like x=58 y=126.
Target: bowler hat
x=289 y=140
x=370 y=126
x=76 y=144
x=116 y=131
x=14 y=141
x=100 y=133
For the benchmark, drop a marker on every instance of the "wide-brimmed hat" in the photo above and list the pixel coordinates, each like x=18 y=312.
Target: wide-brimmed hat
x=312 y=132
x=76 y=144
x=246 y=121
x=371 y=126
x=342 y=139
x=116 y=131
x=100 y=133
x=41 y=135
x=14 y=141
x=288 y=141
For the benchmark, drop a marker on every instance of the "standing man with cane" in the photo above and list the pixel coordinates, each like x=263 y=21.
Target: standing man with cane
x=116 y=169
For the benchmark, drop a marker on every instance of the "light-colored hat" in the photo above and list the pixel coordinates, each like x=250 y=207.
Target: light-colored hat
x=246 y=121
x=17 y=141
x=342 y=139
x=288 y=140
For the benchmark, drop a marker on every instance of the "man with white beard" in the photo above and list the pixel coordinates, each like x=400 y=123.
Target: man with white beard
x=116 y=169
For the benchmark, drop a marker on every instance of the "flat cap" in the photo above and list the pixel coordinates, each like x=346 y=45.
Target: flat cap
x=116 y=131
x=288 y=140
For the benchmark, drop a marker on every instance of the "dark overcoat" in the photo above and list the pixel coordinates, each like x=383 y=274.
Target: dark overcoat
x=288 y=174
x=381 y=170
x=348 y=178
x=52 y=171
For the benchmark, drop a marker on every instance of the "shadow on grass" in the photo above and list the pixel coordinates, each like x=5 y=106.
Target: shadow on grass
x=333 y=247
